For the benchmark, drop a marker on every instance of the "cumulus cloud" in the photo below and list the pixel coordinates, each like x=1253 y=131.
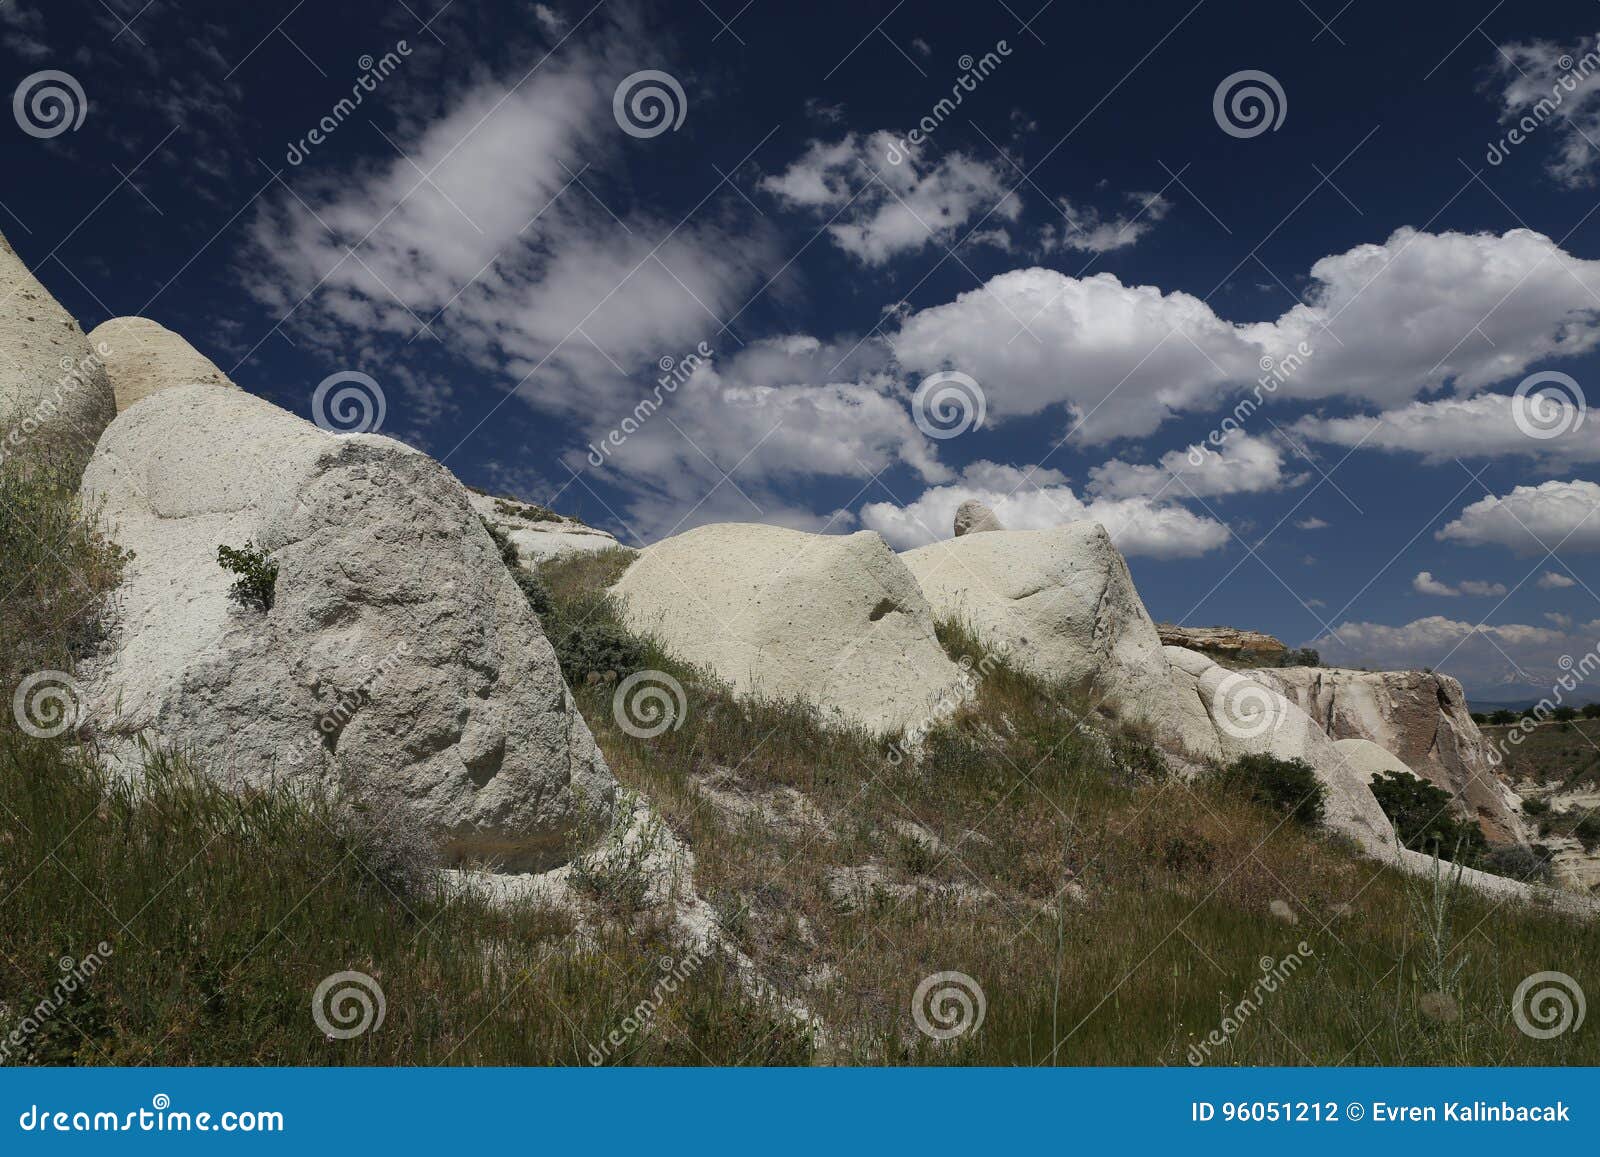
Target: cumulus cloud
x=1557 y=87
x=1553 y=581
x=1532 y=519
x=1387 y=323
x=1312 y=523
x=1042 y=499
x=878 y=209
x=1483 y=656
x=1483 y=426
x=1245 y=464
x=1426 y=584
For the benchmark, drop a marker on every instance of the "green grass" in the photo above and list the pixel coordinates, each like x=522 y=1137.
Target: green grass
x=1110 y=912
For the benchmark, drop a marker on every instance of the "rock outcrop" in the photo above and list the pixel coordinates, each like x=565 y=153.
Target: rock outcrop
x=1061 y=604
x=539 y=534
x=398 y=663
x=1229 y=643
x=1370 y=760
x=55 y=400
x=836 y=621
x=973 y=517
x=1420 y=717
x=143 y=356
x=1251 y=718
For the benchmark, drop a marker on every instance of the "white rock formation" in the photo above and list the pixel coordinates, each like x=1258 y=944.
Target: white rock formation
x=55 y=400
x=539 y=538
x=1252 y=718
x=833 y=620
x=143 y=356
x=1421 y=717
x=1369 y=760
x=973 y=517
x=1060 y=603
x=399 y=662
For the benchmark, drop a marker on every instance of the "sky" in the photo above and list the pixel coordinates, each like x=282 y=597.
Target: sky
x=1301 y=300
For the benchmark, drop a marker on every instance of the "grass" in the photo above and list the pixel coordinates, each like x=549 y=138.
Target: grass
x=212 y=917
x=1110 y=912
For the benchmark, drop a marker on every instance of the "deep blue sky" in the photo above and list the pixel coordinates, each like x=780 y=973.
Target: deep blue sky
x=527 y=253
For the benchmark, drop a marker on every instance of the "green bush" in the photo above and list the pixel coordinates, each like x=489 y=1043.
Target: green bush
x=1502 y=718
x=531 y=585
x=258 y=575
x=1425 y=818
x=594 y=645
x=1289 y=786
x=1531 y=865
x=1591 y=711
x=1535 y=807
x=1564 y=714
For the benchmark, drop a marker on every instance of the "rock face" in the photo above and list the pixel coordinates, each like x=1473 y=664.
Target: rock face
x=142 y=357
x=1061 y=604
x=973 y=517
x=537 y=534
x=55 y=400
x=1225 y=642
x=1422 y=718
x=1250 y=718
x=1369 y=759
x=399 y=663
x=834 y=620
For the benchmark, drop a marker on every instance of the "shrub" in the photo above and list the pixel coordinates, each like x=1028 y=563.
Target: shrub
x=1564 y=714
x=1535 y=807
x=1591 y=711
x=502 y=543
x=1502 y=718
x=1424 y=816
x=595 y=645
x=1289 y=786
x=258 y=575
x=1531 y=865
x=1303 y=657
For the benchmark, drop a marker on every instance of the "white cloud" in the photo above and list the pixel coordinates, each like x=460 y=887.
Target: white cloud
x=1447 y=428
x=512 y=261
x=1532 y=519
x=1085 y=230
x=880 y=210
x=1426 y=584
x=1312 y=523
x=1036 y=501
x=549 y=20
x=1553 y=581
x=1245 y=465
x=1542 y=95
x=1482 y=656
x=1564 y=622
x=1384 y=322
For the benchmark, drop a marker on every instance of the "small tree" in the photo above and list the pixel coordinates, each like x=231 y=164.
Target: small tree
x=1424 y=816
x=258 y=575
x=1592 y=711
x=1565 y=714
x=1502 y=718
